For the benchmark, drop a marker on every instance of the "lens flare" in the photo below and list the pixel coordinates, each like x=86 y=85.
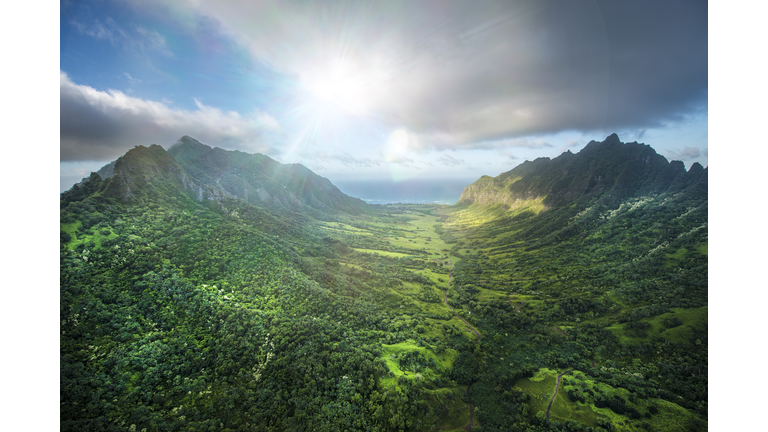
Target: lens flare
x=398 y=142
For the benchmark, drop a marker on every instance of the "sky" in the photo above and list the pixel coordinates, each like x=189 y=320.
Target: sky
x=394 y=90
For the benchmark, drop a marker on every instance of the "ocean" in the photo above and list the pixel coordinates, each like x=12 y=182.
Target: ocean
x=421 y=191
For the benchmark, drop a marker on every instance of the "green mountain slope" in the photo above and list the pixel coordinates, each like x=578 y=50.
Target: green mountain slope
x=610 y=170
x=258 y=179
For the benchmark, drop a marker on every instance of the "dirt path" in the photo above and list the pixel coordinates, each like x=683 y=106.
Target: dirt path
x=514 y=304
x=557 y=329
x=557 y=387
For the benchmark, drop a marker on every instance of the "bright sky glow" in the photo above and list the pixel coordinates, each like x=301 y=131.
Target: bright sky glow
x=344 y=88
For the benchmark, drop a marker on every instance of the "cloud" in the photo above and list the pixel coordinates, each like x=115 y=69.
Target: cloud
x=141 y=39
x=449 y=161
x=460 y=74
x=151 y=40
x=343 y=158
x=133 y=81
x=395 y=158
x=109 y=30
x=508 y=154
x=689 y=153
x=100 y=126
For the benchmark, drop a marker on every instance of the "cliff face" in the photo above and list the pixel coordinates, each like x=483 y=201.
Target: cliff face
x=609 y=170
x=259 y=179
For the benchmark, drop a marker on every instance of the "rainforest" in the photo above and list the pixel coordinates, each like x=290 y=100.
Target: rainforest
x=211 y=290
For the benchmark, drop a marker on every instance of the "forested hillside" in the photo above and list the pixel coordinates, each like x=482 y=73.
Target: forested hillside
x=210 y=290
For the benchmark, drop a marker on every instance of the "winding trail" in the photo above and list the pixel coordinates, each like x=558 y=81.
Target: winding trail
x=557 y=329
x=471 y=423
x=517 y=308
x=557 y=387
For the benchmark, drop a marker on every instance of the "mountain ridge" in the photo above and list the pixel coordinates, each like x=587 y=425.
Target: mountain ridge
x=610 y=170
x=212 y=173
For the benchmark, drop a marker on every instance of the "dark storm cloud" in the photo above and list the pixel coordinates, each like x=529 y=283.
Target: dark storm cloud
x=100 y=126
x=459 y=73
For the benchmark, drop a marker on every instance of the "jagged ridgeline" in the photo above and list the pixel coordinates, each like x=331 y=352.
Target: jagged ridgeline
x=205 y=173
x=205 y=290
x=582 y=192
x=608 y=171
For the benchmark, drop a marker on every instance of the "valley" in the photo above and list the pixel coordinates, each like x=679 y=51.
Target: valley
x=553 y=301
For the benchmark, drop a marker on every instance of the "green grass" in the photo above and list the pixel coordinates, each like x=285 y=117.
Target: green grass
x=488 y=295
x=674 y=259
x=381 y=252
x=342 y=227
x=71 y=229
x=540 y=388
x=670 y=416
x=95 y=239
x=692 y=319
x=390 y=353
x=563 y=408
x=355 y=266
x=703 y=249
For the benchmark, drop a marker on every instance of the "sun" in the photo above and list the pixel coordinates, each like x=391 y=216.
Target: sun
x=343 y=88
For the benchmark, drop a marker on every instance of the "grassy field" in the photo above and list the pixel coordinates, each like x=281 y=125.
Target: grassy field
x=690 y=318
x=383 y=253
x=96 y=237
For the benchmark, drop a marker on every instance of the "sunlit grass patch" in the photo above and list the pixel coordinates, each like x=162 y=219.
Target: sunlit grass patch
x=355 y=266
x=489 y=294
x=540 y=388
x=71 y=229
x=342 y=227
x=95 y=236
x=563 y=408
x=676 y=326
x=391 y=353
x=381 y=252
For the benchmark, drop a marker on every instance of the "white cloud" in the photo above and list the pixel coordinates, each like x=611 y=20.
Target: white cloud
x=133 y=81
x=141 y=39
x=102 y=125
x=109 y=30
x=343 y=158
x=446 y=159
x=689 y=153
x=151 y=40
x=395 y=158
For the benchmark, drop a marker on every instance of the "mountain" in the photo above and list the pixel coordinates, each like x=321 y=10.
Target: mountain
x=206 y=173
x=257 y=178
x=610 y=171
